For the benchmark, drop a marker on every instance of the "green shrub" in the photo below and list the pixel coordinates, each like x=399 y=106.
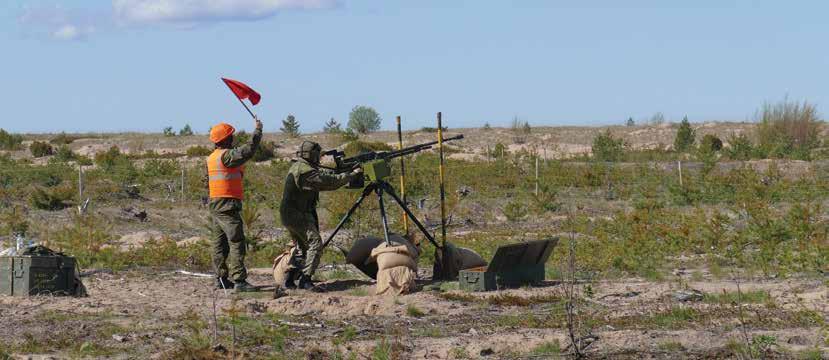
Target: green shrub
x=359 y=147
x=608 y=148
x=364 y=119
x=62 y=139
x=111 y=158
x=685 y=136
x=186 y=131
x=65 y=154
x=710 y=143
x=156 y=168
x=168 y=131
x=332 y=127
x=349 y=135
x=515 y=211
x=430 y=129
x=265 y=151
x=198 y=151
x=546 y=199
x=13 y=221
x=10 y=141
x=50 y=198
x=788 y=129
x=40 y=149
x=739 y=147
x=240 y=138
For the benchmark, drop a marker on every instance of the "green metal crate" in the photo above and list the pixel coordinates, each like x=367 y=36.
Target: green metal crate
x=27 y=275
x=513 y=265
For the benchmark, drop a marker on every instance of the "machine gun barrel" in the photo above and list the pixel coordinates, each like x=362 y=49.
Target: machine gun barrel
x=348 y=164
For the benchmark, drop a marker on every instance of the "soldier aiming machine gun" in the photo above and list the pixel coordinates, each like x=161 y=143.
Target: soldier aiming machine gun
x=377 y=170
x=375 y=164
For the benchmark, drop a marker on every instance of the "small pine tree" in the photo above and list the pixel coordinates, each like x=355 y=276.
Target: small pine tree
x=486 y=127
x=630 y=122
x=684 y=136
x=332 y=127
x=606 y=147
x=290 y=126
x=185 y=131
x=168 y=131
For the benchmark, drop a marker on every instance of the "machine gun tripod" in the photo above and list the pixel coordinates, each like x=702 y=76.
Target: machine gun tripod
x=379 y=187
x=377 y=169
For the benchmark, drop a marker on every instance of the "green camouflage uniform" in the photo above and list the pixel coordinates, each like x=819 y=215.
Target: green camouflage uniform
x=227 y=237
x=298 y=210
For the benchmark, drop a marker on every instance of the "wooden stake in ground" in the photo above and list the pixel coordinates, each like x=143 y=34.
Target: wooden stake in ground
x=679 y=166
x=80 y=189
x=536 y=176
x=442 y=186
x=402 y=176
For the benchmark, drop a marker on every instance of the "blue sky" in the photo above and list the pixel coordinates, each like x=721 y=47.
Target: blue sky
x=141 y=65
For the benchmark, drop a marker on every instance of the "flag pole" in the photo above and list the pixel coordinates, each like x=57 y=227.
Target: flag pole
x=247 y=108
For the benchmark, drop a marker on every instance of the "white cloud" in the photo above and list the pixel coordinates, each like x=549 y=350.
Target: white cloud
x=59 y=23
x=67 y=32
x=72 y=32
x=198 y=11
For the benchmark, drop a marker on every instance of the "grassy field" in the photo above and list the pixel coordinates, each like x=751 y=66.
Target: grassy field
x=712 y=223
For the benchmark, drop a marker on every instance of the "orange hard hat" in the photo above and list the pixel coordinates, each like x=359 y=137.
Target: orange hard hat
x=221 y=132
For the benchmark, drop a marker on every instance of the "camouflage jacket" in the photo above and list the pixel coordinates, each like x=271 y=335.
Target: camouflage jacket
x=301 y=192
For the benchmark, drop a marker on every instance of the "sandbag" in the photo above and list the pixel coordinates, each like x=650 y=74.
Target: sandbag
x=361 y=248
x=388 y=257
x=468 y=259
x=396 y=281
x=283 y=265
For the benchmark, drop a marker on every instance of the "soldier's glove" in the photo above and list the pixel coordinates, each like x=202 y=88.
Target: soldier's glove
x=357 y=173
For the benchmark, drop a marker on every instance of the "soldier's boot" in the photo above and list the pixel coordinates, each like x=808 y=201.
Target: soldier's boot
x=244 y=286
x=290 y=281
x=279 y=292
x=222 y=283
x=305 y=283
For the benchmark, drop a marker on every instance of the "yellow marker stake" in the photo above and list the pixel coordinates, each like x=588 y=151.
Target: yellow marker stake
x=402 y=176
x=442 y=187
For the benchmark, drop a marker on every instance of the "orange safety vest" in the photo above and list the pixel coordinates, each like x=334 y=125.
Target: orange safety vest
x=224 y=182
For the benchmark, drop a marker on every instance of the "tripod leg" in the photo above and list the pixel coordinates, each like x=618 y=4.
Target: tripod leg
x=389 y=190
x=345 y=218
x=379 y=192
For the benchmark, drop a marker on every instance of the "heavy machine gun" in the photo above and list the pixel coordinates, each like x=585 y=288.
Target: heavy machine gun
x=377 y=170
x=375 y=164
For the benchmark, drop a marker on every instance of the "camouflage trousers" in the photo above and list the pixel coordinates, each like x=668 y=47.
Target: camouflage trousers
x=305 y=233
x=227 y=239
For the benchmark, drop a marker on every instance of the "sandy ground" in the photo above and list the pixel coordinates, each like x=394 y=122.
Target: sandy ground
x=147 y=308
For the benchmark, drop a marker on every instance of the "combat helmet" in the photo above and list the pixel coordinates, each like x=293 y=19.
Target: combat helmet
x=309 y=151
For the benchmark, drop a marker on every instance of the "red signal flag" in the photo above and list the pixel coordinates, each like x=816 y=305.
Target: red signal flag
x=242 y=91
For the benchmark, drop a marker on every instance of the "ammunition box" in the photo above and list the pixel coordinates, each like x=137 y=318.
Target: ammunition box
x=513 y=265
x=37 y=275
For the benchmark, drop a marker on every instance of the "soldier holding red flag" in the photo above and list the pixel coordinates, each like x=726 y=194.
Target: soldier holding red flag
x=225 y=170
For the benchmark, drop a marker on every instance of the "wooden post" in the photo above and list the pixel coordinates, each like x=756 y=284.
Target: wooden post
x=80 y=190
x=679 y=166
x=442 y=186
x=80 y=184
x=402 y=176
x=536 y=176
